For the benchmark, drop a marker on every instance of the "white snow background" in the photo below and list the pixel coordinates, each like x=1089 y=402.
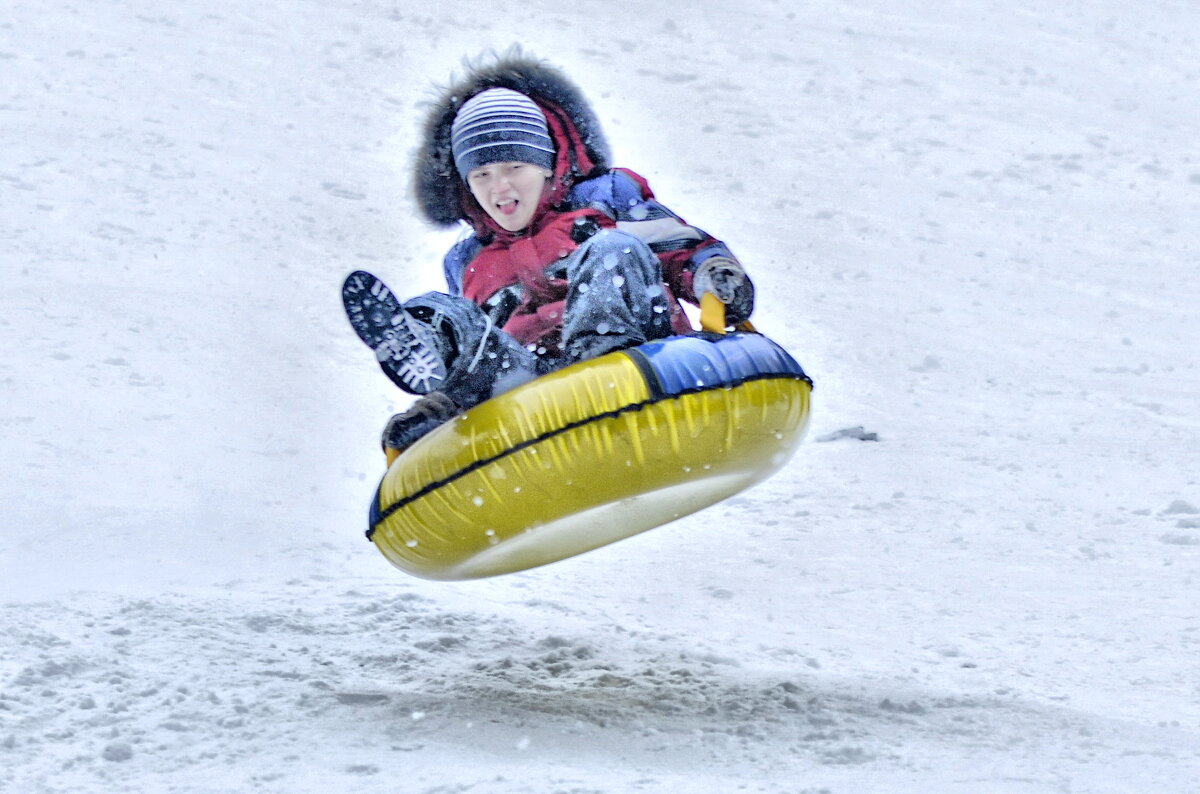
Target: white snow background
x=975 y=224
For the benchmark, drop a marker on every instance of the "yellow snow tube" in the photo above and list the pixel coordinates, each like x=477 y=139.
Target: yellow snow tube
x=591 y=454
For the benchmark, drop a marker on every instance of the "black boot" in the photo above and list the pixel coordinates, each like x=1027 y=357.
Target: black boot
x=412 y=353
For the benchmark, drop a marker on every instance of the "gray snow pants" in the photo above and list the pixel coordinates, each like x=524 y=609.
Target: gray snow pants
x=615 y=299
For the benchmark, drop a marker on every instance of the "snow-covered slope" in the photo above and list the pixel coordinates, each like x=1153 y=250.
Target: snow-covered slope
x=975 y=226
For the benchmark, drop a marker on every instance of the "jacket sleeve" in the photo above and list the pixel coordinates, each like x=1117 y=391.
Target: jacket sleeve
x=456 y=261
x=681 y=247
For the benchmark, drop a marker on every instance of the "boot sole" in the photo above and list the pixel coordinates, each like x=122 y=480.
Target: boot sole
x=405 y=348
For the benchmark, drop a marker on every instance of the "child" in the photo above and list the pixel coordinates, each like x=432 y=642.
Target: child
x=567 y=258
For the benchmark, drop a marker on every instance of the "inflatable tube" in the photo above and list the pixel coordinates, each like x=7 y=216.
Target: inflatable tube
x=591 y=454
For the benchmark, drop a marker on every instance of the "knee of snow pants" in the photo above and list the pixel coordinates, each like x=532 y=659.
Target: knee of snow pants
x=615 y=296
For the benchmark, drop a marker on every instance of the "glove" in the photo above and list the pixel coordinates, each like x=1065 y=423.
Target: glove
x=424 y=415
x=726 y=279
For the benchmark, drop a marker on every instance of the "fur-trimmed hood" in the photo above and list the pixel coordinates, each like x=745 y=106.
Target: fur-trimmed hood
x=583 y=150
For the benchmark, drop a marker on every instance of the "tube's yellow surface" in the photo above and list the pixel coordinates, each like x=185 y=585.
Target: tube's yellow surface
x=575 y=460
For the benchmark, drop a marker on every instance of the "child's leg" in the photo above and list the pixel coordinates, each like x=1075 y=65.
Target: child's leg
x=485 y=361
x=615 y=296
x=443 y=348
x=412 y=354
x=435 y=342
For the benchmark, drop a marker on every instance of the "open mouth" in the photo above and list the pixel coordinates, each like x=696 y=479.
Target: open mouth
x=507 y=206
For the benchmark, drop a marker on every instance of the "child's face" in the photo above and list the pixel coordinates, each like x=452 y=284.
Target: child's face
x=509 y=192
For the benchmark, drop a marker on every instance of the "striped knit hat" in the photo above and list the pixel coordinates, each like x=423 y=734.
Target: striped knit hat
x=499 y=126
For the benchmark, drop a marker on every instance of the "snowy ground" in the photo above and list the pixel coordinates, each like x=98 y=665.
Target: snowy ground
x=975 y=224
